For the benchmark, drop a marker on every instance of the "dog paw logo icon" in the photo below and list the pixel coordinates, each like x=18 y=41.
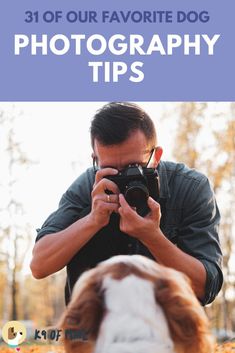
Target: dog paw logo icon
x=14 y=333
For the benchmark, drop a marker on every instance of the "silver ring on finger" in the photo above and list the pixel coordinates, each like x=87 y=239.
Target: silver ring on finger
x=108 y=198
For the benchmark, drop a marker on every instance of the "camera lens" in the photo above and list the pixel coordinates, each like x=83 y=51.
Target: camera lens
x=136 y=194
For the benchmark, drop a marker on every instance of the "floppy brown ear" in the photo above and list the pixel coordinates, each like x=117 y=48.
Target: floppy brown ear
x=11 y=333
x=86 y=309
x=186 y=318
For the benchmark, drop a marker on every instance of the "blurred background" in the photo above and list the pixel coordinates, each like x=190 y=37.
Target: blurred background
x=45 y=146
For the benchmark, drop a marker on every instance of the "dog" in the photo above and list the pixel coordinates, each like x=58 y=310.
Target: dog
x=13 y=337
x=131 y=304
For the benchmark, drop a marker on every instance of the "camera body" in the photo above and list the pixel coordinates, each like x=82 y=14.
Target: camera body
x=137 y=183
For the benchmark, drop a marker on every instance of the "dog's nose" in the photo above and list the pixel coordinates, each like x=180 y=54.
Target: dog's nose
x=21 y=333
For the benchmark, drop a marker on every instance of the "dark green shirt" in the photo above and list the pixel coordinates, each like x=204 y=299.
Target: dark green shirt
x=190 y=219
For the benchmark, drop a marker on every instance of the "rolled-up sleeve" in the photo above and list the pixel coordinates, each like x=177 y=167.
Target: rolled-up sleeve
x=74 y=204
x=199 y=234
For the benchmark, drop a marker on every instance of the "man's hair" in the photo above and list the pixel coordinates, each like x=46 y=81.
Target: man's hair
x=115 y=121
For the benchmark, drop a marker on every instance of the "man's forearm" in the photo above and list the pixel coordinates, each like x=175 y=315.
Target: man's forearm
x=170 y=255
x=54 y=251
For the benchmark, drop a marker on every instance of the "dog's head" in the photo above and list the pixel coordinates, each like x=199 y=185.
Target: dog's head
x=14 y=336
x=171 y=290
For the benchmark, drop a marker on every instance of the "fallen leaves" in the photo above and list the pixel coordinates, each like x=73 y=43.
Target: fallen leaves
x=34 y=349
x=228 y=347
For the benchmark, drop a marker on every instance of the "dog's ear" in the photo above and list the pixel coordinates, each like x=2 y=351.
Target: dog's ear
x=11 y=334
x=188 y=324
x=86 y=309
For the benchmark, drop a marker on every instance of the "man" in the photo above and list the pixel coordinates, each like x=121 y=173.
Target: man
x=179 y=231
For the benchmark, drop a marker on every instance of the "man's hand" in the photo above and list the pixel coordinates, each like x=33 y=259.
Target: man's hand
x=142 y=228
x=102 y=204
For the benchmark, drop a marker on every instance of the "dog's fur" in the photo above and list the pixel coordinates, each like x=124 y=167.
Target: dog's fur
x=130 y=304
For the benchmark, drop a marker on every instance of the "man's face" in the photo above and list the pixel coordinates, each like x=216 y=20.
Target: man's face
x=135 y=150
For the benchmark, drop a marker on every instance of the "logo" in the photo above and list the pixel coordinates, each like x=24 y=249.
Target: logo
x=14 y=333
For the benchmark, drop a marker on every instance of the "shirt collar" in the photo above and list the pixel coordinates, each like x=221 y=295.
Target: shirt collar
x=163 y=181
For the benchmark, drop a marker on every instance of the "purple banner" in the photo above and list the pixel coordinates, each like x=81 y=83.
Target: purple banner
x=102 y=51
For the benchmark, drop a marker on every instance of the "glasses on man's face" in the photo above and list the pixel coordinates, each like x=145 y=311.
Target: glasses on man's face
x=144 y=165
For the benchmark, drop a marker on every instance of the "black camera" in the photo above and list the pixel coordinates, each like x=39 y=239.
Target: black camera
x=137 y=183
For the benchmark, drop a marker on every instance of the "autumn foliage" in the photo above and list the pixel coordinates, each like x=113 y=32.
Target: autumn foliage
x=228 y=347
